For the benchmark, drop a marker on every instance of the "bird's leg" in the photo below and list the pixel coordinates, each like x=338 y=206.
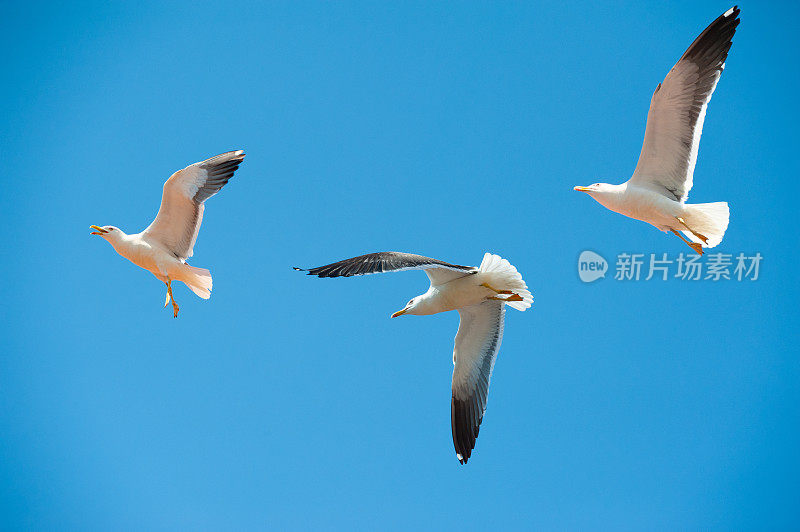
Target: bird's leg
x=495 y=290
x=694 y=245
x=175 y=307
x=698 y=235
x=512 y=297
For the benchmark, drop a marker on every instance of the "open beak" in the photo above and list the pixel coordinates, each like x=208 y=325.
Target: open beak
x=98 y=230
x=581 y=189
x=399 y=313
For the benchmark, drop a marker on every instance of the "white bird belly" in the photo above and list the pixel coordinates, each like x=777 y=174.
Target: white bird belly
x=463 y=292
x=152 y=258
x=648 y=206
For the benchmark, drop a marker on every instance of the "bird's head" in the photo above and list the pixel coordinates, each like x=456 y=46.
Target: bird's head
x=596 y=188
x=604 y=193
x=410 y=307
x=109 y=232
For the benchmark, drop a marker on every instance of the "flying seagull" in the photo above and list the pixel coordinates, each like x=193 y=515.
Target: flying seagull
x=164 y=246
x=657 y=192
x=480 y=296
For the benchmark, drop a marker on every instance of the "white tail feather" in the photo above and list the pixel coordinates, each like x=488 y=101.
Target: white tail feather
x=198 y=280
x=708 y=219
x=504 y=276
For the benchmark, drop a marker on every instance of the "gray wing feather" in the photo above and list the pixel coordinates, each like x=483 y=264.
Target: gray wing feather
x=219 y=169
x=390 y=261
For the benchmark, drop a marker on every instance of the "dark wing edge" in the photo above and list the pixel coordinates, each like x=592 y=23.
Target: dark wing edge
x=711 y=47
x=220 y=169
x=384 y=261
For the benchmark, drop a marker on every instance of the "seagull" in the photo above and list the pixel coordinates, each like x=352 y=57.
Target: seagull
x=162 y=248
x=480 y=296
x=659 y=187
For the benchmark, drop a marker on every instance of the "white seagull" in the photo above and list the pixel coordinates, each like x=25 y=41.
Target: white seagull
x=164 y=246
x=657 y=191
x=480 y=296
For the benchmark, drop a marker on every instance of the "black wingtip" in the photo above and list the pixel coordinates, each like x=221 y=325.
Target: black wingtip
x=711 y=47
x=295 y=268
x=732 y=14
x=465 y=428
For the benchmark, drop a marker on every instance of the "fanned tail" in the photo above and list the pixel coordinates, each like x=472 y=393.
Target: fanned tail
x=504 y=276
x=198 y=280
x=708 y=219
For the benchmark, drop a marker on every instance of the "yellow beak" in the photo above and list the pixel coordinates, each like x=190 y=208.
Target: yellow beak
x=399 y=313
x=581 y=189
x=98 y=230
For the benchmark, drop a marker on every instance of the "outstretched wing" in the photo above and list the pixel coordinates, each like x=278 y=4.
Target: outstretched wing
x=181 y=213
x=678 y=108
x=477 y=342
x=440 y=272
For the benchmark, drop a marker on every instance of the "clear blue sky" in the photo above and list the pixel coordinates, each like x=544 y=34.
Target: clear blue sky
x=294 y=402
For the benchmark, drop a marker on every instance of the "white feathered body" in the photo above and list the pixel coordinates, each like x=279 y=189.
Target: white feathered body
x=642 y=203
x=468 y=290
x=140 y=252
x=153 y=256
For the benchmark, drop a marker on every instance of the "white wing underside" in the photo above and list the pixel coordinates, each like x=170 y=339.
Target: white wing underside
x=477 y=342
x=678 y=110
x=181 y=212
x=179 y=218
x=672 y=136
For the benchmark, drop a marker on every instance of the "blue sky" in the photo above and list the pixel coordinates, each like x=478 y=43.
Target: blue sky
x=294 y=402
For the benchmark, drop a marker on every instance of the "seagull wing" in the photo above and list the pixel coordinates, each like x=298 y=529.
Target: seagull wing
x=678 y=108
x=477 y=342
x=181 y=213
x=440 y=272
